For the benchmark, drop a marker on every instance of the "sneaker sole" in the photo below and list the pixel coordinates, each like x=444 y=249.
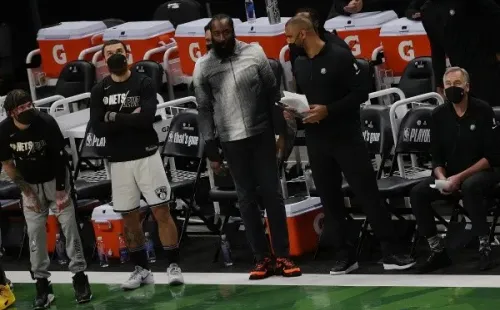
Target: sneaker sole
x=398 y=267
x=348 y=270
x=83 y=301
x=267 y=275
x=50 y=300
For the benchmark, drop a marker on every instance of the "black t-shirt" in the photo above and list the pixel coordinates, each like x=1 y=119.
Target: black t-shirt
x=332 y=78
x=459 y=142
x=132 y=135
x=38 y=151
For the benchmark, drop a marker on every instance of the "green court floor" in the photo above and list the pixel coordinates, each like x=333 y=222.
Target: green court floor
x=242 y=297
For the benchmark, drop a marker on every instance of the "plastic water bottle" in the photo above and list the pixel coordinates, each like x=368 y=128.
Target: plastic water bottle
x=250 y=10
x=101 y=252
x=62 y=258
x=226 y=251
x=273 y=12
x=123 y=249
x=150 y=248
x=309 y=180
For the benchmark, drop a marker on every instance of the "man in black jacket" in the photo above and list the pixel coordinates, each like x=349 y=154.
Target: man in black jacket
x=466 y=32
x=464 y=153
x=348 y=7
x=330 y=78
x=122 y=109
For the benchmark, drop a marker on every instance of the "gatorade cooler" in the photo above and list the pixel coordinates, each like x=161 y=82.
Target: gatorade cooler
x=191 y=44
x=270 y=37
x=304 y=216
x=403 y=40
x=109 y=225
x=52 y=229
x=64 y=42
x=141 y=37
x=361 y=31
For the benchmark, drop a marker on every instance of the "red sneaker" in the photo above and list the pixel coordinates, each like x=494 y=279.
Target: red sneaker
x=287 y=268
x=263 y=269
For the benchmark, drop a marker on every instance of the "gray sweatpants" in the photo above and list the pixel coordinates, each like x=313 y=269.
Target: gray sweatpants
x=37 y=234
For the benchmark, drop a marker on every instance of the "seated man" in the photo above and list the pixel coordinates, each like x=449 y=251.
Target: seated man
x=464 y=152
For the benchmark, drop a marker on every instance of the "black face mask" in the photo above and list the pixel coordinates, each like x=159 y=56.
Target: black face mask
x=117 y=64
x=26 y=117
x=454 y=94
x=209 y=47
x=297 y=49
x=225 y=48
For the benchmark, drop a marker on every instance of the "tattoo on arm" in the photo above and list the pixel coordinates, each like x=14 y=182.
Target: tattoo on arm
x=133 y=238
x=16 y=176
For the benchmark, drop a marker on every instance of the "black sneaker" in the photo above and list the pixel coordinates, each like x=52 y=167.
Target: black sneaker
x=485 y=260
x=435 y=261
x=82 y=288
x=263 y=269
x=398 y=262
x=345 y=263
x=44 y=294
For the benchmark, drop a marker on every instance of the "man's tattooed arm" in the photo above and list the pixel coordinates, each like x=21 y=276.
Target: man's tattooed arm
x=16 y=176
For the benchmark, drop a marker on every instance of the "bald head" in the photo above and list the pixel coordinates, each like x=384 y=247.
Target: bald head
x=301 y=22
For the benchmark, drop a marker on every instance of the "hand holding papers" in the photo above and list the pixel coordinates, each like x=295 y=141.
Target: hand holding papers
x=295 y=101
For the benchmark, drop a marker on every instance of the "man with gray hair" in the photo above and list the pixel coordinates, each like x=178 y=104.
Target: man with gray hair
x=465 y=156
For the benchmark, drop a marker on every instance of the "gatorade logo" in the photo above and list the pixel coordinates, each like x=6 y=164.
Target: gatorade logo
x=59 y=54
x=194 y=51
x=406 y=51
x=353 y=42
x=318 y=223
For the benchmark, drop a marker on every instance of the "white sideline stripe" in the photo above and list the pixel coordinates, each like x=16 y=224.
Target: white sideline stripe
x=305 y=280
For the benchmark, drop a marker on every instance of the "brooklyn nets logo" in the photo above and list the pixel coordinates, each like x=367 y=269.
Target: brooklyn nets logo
x=162 y=192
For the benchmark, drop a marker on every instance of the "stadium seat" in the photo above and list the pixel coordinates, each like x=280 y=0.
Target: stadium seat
x=185 y=141
x=418 y=77
x=366 y=72
x=76 y=77
x=151 y=69
x=93 y=184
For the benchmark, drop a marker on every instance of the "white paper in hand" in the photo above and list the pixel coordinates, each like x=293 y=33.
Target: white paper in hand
x=295 y=101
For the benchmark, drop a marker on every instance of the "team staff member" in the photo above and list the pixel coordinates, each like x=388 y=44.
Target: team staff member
x=122 y=109
x=32 y=154
x=348 y=7
x=464 y=152
x=466 y=32
x=328 y=75
x=208 y=37
x=236 y=90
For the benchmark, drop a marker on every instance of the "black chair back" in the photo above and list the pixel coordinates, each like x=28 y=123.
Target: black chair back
x=151 y=69
x=414 y=136
x=184 y=138
x=366 y=72
x=418 y=77
x=376 y=127
x=78 y=76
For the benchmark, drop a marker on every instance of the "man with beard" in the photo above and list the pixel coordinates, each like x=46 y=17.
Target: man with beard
x=32 y=155
x=236 y=91
x=122 y=109
x=329 y=77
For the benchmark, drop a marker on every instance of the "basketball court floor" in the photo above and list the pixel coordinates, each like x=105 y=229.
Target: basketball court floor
x=312 y=291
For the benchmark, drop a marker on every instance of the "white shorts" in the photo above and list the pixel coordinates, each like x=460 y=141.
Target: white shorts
x=131 y=178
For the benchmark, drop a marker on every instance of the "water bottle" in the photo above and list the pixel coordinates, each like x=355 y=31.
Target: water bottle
x=123 y=249
x=273 y=12
x=309 y=180
x=250 y=10
x=101 y=252
x=62 y=258
x=226 y=251
x=150 y=248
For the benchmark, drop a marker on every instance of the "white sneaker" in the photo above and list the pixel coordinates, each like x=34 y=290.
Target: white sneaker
x=174 y=275
x=139 y=277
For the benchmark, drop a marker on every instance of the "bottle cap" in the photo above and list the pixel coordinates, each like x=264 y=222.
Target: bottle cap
x=99 y=238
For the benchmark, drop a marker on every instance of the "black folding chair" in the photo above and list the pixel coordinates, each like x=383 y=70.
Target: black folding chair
x=184 y=140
